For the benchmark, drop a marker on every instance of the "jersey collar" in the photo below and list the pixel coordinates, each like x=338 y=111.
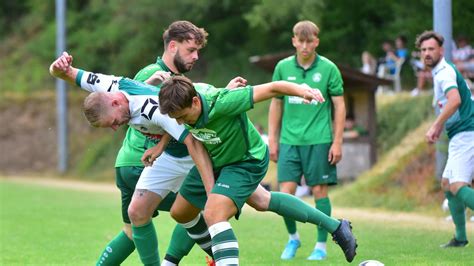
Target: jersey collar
x=204 y=117
x=441 y=65
x=313 y=65
x=162 y=64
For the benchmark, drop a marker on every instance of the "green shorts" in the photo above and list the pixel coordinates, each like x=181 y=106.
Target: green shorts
x=236 y=181
x=310 y=161
x=126 y=179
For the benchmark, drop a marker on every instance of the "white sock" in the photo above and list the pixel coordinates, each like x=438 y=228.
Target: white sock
x=295 y=236
x=320 y=245
x=167 y=263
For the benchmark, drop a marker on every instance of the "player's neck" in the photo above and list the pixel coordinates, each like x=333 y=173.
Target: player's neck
x=168 y=60
x=305 y=63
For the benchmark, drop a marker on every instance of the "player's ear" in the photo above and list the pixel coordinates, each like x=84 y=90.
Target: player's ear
x=172 y=47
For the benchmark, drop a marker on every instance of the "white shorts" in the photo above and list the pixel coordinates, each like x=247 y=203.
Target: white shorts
x=460 y=164
x=166 y=174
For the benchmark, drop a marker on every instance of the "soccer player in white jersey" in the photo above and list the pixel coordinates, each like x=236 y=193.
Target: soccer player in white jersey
x=117 y=101
x=453 y=96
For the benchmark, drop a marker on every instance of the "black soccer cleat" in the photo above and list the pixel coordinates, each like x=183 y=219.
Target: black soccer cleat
x=345 y=239
x=454 y=243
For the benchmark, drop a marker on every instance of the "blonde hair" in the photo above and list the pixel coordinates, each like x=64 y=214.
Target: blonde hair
x=94 y=107
x=305 y=29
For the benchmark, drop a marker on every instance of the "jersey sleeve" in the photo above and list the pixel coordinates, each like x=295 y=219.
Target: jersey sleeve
x=276 y=77
x=97 y=82
x=447 y=80
x=177 y=131
x=235 y=101
x=335 y=84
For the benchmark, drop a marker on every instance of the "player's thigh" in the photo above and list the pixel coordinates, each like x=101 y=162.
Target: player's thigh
x=316 y=168
x=238 y=181
x=289 y=164
x=126 y=178
x=460 y=163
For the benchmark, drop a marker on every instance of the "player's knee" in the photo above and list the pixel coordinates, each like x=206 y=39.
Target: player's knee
x=178 y=215
x=138 y=216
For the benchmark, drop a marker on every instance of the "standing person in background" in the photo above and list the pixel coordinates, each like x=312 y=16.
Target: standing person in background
x=453 y=97
x=302 y=139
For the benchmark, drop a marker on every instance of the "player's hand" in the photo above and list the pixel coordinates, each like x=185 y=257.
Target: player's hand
x=236 y=82
x=310 y=95
x=335 y=154
x=273 y=148
x=158 y=77
x=150 y=155
x=432 y=135
x=61 y=65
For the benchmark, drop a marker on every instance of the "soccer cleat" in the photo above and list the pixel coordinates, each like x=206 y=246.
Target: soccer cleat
x=210 y=261
x=317 y=254
x=345 y=239
x=454 y=243
x=290 y=249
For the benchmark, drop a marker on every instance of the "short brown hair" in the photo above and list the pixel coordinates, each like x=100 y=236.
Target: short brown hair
x=176 y=93
x=183 y=30
x=94 y=107
x=426 y=35
x=305 y=29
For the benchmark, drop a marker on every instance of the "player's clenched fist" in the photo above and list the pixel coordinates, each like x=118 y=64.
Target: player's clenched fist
x=61 y=65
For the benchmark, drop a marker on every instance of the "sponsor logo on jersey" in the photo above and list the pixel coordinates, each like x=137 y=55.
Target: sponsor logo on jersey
x=299 y=100
x=292 y=78
x=317 y=77
x=93 y=79
x=205 y=135
x=149 y=108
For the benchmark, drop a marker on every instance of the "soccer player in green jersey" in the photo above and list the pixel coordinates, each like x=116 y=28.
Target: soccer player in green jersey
x=217 y=117
x=303 y=139
x=456 y=103
x=182 y=41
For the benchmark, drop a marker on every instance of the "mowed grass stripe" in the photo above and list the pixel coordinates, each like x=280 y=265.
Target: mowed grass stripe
x=42 y=225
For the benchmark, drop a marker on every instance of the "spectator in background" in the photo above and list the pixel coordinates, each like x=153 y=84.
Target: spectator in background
x=463 y=51
x=401 y=51
x=351 y=129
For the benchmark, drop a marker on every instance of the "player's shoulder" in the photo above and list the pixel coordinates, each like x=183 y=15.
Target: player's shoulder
x=286 y=61
x=147 y=71
x=326 y=61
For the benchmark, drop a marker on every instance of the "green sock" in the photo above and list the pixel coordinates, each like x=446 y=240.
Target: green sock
x=146 y=243
x=198 y=231
x=289 y=206
x=457 y=208
x=324 y=205
x=290 y=225
x=466 y=194
x=116 y=250
x=224 y=244
x=180 y=244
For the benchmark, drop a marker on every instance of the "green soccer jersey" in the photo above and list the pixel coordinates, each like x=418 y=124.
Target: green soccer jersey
x=224 y=127
x=135 y=143
x=308 y=124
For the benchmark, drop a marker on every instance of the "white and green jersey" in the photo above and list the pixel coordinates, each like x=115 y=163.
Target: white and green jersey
x=224 y=127
x=308 y=124
x=144 y=109
x=135 y=143
x=445 y=78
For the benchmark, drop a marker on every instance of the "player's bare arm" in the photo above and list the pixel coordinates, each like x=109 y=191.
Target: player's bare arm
x=62 y=68
x=203 y=163
x=154 y=152
x=274 y=127
x=269 y=90
x=454 y=101
x=335 y=152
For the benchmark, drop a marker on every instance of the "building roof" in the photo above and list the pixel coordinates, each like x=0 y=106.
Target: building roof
x=353 y=78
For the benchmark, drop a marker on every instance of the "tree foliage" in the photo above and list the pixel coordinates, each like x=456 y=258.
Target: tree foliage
x=122 y=36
